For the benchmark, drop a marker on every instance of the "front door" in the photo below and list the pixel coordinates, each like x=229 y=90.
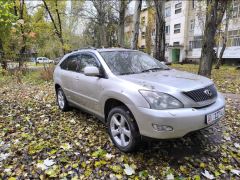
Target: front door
x=88 y=88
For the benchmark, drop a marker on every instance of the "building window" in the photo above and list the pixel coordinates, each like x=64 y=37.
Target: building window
x=192 y=25
x=193 y=4
x=177 y=28
x=176 y=43
x=178 y=8
x=197 y=43
x=233 y=38
x=235 y=9
x=153 y=32
x=143 y=19
x=143 y=35
x=167 y=29
x=168 y=12
x=190 y=45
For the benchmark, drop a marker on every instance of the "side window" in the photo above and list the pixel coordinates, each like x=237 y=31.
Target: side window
x=64 y=64
x=71 y=63
x=88 y=60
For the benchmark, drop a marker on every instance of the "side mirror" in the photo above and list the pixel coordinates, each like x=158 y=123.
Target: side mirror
x=91 y=71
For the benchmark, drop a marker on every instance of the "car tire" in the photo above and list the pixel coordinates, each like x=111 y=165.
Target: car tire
x=123 y=129
x=62 y=100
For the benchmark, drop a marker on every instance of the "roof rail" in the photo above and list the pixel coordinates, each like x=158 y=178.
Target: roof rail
x=90 y=47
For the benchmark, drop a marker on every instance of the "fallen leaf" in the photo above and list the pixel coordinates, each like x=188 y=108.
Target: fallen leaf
x=48 y=162
x=208 y=175
x=170 y=177
x=237 y=172
x=128 y=170
x=237 y=145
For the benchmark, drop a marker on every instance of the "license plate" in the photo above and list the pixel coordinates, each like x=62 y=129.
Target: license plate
x=214 y=116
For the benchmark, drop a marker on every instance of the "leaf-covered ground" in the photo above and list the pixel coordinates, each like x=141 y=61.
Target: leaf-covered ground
x=39 y=141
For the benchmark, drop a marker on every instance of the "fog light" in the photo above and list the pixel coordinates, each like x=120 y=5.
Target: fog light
x=159 y=127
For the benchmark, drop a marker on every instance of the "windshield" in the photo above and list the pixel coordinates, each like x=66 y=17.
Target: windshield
x=131 y=62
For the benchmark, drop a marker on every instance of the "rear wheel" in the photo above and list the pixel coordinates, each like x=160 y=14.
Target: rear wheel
x=62 y=100
x=123 y=129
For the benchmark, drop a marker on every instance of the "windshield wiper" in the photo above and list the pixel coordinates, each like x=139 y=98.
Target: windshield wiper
x=126 y=73
x=153 y=69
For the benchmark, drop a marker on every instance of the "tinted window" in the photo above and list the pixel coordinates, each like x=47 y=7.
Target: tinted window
x=71 y=63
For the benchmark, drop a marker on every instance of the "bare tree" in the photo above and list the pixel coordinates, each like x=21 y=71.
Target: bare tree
x=159 y=50
x=57 y=26
x=224 y=37
x=100 y=6
x=214 y=16
x=136 y=19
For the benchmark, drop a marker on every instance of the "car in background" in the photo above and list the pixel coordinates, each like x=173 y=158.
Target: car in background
x=42 y=60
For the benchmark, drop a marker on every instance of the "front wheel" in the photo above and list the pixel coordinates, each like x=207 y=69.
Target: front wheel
x=123 y=129
x=62 y=100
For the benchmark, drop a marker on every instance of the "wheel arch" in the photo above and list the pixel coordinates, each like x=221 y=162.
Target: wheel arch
x=57 y=86
x=114 y=102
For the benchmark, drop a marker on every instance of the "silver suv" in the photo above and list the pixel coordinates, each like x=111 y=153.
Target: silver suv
x=136 y=95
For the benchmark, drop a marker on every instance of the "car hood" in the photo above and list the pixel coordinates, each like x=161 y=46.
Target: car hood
x=167 y=80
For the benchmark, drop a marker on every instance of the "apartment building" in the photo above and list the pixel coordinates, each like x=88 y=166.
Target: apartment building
x=184 y=31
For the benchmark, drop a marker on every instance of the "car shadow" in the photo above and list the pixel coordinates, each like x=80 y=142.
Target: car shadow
x=199 y=144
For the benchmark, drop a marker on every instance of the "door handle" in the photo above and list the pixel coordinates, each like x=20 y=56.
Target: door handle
x=77 y=78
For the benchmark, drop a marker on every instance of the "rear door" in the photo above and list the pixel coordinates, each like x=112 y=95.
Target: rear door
x=68 y=67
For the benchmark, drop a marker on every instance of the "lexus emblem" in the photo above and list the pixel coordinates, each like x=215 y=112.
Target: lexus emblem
x=207 y=92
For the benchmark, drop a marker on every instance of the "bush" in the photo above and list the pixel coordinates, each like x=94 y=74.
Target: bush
x=46 y=73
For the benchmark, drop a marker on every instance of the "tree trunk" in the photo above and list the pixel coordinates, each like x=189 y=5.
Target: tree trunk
x=122 y=4
x=60 y=27
x=102 y=35
x=149 y=30
x=101 y=20
x=2 y=60
x=228 y=11
x=23 y=48
x=136 y=18
x=214 y=15
x=159 y=48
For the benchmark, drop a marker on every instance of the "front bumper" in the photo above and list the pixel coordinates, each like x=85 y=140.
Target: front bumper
x=182 y=120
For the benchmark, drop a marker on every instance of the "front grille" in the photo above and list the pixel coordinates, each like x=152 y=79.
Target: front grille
x=202 y=94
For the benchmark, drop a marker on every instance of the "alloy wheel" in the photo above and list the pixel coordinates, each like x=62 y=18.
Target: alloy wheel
x=120 y=130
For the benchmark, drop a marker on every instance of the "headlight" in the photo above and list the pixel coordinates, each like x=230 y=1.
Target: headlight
x=160 y=101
